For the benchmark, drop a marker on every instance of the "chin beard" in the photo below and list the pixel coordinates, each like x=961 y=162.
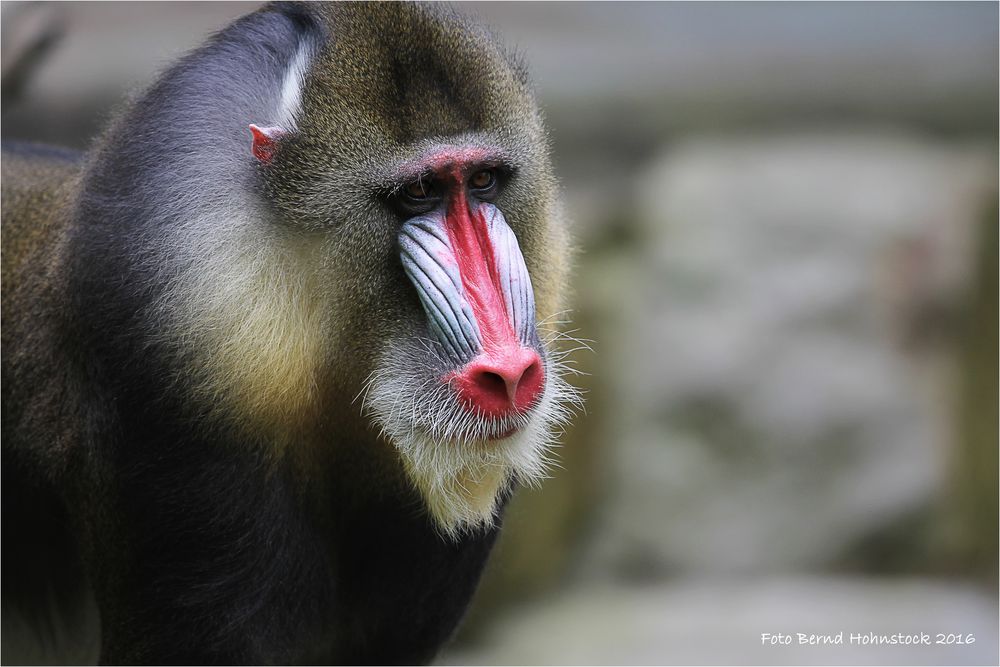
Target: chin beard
x=460 y=463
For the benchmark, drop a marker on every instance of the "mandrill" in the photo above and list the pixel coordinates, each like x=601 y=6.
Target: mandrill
x=272 y=362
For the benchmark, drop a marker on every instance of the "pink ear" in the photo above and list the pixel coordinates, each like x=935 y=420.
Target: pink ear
x=265 y=141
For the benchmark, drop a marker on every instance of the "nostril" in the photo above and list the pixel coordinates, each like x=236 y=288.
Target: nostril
x=505 y=382
x=492 y=382
x=530 y=379
x=499 y=385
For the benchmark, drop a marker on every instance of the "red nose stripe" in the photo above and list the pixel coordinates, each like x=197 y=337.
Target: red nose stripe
x=477 y=265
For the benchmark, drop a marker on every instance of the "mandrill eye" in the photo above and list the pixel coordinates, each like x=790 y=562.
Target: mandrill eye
x=420 y=190
x=419 y=196
x=483 y=180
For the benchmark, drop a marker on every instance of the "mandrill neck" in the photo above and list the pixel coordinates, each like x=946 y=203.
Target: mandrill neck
x=402 y=580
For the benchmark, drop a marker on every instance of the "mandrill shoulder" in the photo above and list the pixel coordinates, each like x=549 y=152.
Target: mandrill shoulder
x=37 y=183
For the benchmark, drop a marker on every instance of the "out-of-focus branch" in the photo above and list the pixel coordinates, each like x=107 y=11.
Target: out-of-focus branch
x=29 y=31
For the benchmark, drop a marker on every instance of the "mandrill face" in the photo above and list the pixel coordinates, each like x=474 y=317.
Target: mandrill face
x=405 y=248
x=436 y=283
x=469 y=395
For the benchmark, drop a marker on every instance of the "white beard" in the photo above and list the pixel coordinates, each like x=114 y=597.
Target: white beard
x=452 y=457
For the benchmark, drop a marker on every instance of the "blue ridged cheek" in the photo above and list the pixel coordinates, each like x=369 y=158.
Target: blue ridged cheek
x=430 y=263
x=514 y=279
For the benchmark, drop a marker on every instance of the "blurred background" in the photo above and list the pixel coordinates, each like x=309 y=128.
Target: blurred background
x=786 y=217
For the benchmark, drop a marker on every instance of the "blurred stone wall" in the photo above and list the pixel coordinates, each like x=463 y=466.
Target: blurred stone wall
x=777 y=400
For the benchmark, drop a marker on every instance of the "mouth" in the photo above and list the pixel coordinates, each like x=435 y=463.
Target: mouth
x=506 y=433
x=490 y=434
x=479 y=429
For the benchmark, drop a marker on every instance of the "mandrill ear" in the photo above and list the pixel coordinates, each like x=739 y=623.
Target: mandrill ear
x=265 y=141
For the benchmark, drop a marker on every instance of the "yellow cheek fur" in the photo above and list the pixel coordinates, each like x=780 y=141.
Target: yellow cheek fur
x=254 y=322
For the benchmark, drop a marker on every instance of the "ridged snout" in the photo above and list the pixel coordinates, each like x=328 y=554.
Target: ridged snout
x=475 y=290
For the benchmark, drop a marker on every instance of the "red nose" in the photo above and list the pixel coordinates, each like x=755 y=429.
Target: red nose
x=500 y=384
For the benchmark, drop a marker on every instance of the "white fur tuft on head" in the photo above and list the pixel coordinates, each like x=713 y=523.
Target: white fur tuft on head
x=291 y=87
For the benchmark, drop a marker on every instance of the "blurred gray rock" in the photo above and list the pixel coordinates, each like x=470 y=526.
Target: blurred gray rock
x=769 y=412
